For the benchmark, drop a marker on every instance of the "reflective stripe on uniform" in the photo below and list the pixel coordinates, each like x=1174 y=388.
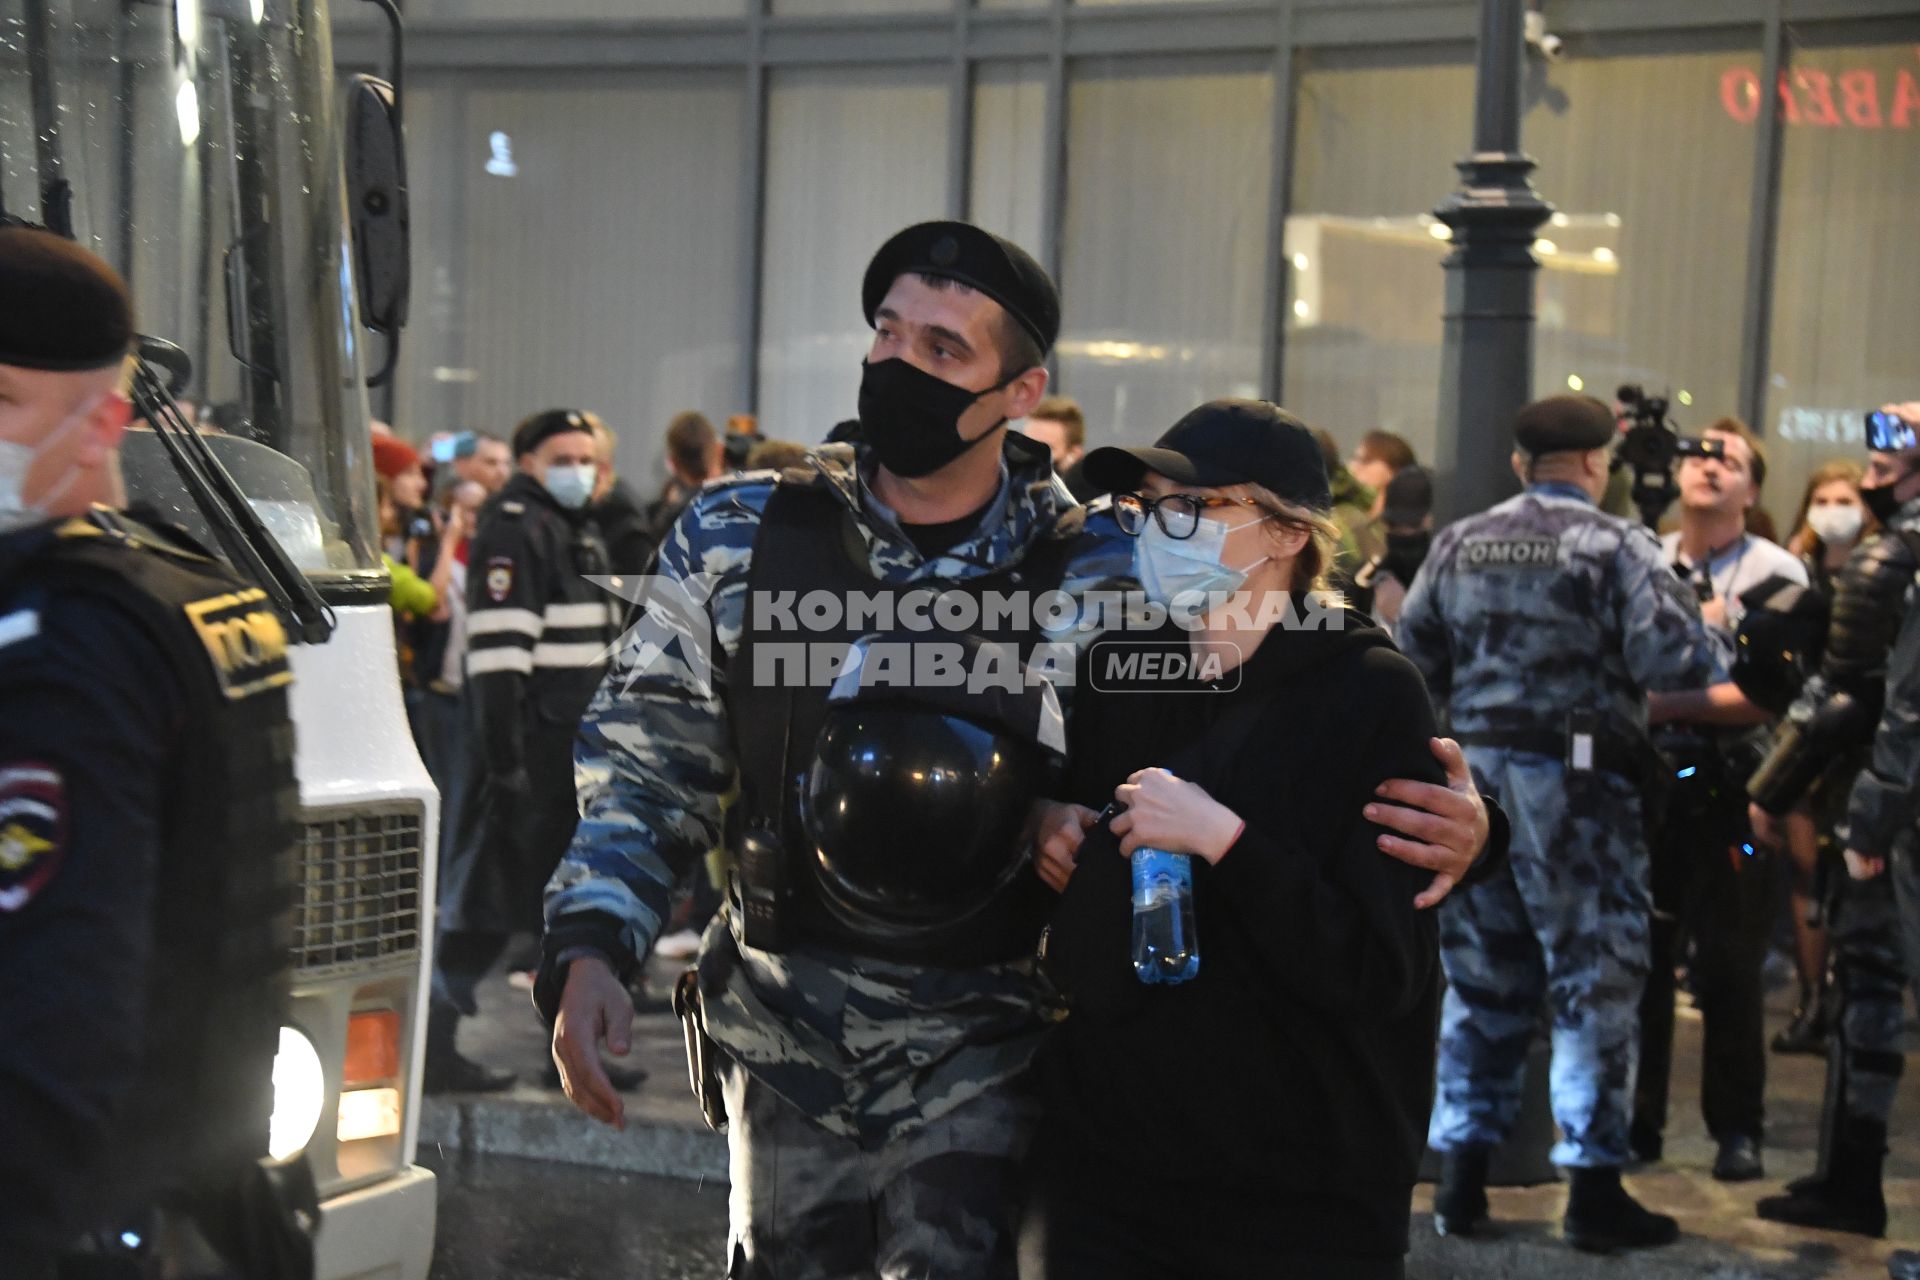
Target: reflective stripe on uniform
x=589 y=654
x=482 y=662
x=593 y=613
x=488 y=621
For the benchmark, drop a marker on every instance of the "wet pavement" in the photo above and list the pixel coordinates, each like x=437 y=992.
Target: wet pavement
x=604 y=1215
x=503 y=1218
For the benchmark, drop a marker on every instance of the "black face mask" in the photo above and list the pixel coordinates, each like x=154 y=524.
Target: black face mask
x=912 y=419
x=1405 y=553
x=1882 y=502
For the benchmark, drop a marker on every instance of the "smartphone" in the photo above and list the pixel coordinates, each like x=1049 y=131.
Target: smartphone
x=1890 y=433
x=447 y=448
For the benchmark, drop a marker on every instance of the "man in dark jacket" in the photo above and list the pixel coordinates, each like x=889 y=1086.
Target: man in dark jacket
x=147 y=796
x=623 y=521
x=538 y=638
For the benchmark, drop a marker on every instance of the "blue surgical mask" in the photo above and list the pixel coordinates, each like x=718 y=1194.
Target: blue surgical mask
x=571 y=486
x=1172 y=567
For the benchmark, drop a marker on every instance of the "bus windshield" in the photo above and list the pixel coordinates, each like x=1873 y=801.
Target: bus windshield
x=195 y=145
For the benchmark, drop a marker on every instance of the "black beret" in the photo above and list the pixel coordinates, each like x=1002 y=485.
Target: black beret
x=62 y=307
x=978 y=259
x=1561 y=424
x=545 y=425
x=1225 y=442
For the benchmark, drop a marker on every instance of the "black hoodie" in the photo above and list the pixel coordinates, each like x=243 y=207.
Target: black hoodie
x=1280 y=1098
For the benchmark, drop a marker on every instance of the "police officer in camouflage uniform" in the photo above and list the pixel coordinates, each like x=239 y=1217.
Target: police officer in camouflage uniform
x=875 y=1104
x=1540 y=625
x=1834 y=720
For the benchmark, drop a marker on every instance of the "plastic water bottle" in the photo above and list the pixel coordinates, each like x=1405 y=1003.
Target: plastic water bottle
x=1164 y=947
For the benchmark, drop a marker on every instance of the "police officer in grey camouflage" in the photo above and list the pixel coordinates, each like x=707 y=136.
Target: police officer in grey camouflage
x=875 y=1104
x=1540 y=625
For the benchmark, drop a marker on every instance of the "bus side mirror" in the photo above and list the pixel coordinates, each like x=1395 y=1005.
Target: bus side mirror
x=377 y=212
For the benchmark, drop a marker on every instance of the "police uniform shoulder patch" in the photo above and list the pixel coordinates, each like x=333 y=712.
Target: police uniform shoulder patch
x=33 y=830
x=245 y=640
x=499 y=578
x=1508 y=553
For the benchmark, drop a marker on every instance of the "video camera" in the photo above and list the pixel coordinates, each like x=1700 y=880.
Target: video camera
x=1650 y=446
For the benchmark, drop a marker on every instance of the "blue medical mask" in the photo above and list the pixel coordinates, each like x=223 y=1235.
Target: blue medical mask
x=571 y=486
x=1172 y=567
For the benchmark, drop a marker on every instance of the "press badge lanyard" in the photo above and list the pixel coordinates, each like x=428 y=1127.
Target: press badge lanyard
x=1704 y=568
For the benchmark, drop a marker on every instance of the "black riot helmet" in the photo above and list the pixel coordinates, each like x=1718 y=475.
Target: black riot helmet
x=921 y=779
x=1779 y=642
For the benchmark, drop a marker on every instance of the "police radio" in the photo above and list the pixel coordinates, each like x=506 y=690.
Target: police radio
x=766 y=889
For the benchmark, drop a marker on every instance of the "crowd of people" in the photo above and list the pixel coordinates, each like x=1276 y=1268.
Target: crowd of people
x=1593 y=674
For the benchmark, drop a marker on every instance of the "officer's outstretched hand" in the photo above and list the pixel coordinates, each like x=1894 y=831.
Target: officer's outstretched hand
x=1442 y=829
x=594 y=1006
x=1058 y=830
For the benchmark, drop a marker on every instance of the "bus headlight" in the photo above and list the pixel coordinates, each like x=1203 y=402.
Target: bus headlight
x=299 y=1095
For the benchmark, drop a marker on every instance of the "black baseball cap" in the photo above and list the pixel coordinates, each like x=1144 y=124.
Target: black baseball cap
x=1225 y=442
x=962 y=252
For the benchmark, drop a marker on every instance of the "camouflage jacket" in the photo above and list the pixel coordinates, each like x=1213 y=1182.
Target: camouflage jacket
x=867 y=1049
x=1544 y=605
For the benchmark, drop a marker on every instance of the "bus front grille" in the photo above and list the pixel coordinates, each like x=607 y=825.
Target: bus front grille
x=359 y=891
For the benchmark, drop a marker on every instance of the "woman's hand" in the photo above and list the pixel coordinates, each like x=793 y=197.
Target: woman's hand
x=1173 y=815
x=1442 y=829
x=1058 y=830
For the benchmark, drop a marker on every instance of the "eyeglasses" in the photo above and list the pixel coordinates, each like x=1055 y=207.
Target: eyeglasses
x=1178 y=514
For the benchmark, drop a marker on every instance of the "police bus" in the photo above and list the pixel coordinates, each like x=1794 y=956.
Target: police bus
x=209 y=151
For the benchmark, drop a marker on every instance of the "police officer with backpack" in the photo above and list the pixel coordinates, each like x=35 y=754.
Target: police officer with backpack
x=147 y=808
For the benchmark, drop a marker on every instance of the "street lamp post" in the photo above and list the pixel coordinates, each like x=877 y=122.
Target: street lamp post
x=1486 y=362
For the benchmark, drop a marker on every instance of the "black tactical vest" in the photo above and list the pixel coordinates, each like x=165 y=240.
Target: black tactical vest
x=807 y=542
x=195 y=1124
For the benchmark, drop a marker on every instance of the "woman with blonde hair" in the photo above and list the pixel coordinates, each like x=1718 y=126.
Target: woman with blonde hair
x=1265 y=1115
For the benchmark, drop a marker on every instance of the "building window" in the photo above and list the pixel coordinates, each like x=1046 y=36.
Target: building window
x=1846 y=262
x=853 y=155
x=1164 y=260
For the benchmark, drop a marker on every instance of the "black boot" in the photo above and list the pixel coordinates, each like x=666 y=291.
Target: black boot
x=1602 y=1216
x=1848 y=1196
x=1806 y=1032
x=1460 y=1199
x=445 y=1071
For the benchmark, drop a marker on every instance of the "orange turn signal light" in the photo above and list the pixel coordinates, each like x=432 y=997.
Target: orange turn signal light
x=373 y=1048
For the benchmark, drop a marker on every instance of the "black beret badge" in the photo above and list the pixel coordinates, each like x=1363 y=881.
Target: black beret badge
x=33 y=830
x=945 y=252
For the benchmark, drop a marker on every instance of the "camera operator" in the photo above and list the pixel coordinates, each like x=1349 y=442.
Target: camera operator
x=1819 y=745
x=1711 y=884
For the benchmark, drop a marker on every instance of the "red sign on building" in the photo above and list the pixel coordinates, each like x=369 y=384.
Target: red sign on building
x=1858 y=99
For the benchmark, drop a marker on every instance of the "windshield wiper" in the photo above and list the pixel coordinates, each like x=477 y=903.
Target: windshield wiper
x=250 y=548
